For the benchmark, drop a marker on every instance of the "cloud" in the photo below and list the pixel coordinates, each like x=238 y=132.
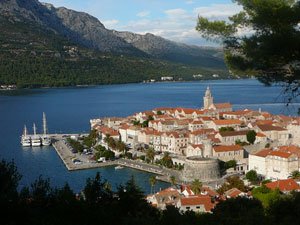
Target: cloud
x=143 y=14
x=110 y=23
x=218 y=11
x=175 y=12
x=190 y=2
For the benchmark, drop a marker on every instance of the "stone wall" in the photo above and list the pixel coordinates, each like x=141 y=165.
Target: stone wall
x=204 y=169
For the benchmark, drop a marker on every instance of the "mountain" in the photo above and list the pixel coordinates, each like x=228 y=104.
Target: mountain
x=162 y=48
x=41 y=45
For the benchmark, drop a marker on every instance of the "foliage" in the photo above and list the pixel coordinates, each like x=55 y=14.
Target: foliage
x=9 y=180
x=159 y=113
x=152 y=181
x=241 y=143
x=96 y=191
x=196 y=186
x=232 y=182
x=230 y=164
x=252 y=176
x=295 y=174
x=167 y=160
x=91 y=139
x=98 y=204
x=239 y=211
x=251 y=136
x=76 y=145
x=150 y=154
x=266 y=195
x=269 y=49
x=267 y=145
x=173 y=180
x=103 y=152
x=225 y=129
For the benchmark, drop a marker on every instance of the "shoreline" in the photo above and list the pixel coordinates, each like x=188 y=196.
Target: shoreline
x=110 y=84
x=66 y=156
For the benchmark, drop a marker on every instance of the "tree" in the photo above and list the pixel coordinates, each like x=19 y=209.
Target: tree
x=251 y=136
x=196 y=186
x=167 y=160
x=152 y=181
x=232 y=182
x=150 y=154
x=295 y=174
x=9 y=180
x=96 y=190
x=230 y=164
x=173 y=180
x=252 y=176
x=270 y=51
x=239 y=211
x=225 y=129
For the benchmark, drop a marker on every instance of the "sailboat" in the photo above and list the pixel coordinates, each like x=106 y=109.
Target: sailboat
x=25 y=139
x=46 y=141
x=35 y=140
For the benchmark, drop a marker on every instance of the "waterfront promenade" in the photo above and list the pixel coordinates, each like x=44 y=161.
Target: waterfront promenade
x=67 y=156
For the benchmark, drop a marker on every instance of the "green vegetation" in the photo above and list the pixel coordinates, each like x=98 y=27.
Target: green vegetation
x=251 y=136
x=31 y=57
x=103 y=152
x=152 y=181
x=265 y=195
x=225 y=129
x=295 y=174
x=232 y=182
x=76 y=145
x=241 y=143
x=150 y=154
x=173 y=180
x=271 y=50
x=166 y=161
x=41 y=204
x=230 y=164
x=90 y=140
x=252 y=176
x=196 y=186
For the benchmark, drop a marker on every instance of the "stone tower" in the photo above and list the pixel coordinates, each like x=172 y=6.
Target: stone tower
x=208 y=100
x=207 y=151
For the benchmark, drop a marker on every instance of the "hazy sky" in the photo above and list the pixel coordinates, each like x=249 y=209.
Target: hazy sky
x=172 y=19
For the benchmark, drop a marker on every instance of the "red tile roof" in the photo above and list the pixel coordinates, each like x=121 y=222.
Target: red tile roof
x=264 y=152
x=227 y=122
x=270 y=128
x=222 y=105
x=234 y=133
x=284 y=185
x=281 y=154
x=198 y=200
x=227 y=148
x=233 y=193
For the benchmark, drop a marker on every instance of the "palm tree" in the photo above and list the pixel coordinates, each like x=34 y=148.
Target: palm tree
x=152 y=181
x=196 y=186
x=173 y=180
x=150 y=154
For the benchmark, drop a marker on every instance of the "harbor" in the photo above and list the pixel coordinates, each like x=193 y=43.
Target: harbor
x=76 y=161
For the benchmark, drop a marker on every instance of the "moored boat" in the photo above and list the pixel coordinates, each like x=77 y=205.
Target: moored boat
x=25 y=139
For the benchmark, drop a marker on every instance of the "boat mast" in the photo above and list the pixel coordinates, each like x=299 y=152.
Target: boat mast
x=25 y=132
x=34 y=129
x=44 y=124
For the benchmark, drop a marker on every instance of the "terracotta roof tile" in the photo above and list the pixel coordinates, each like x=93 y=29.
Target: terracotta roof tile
x=227 y=122
x=284 y=185
x=227 y=148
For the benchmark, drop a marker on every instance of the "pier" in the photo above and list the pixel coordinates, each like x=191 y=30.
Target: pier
x=67 y=157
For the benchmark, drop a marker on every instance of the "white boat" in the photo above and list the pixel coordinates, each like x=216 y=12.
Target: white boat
x=25 y=139
x=46 y=141
x=119 y=167
x=35 y=139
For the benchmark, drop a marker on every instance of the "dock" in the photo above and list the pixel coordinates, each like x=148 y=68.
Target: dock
x=67 y=157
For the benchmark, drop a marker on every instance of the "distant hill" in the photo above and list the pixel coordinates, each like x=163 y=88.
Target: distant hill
x=41 y=45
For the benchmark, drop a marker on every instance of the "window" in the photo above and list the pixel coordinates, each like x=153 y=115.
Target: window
x=187 y=207
x=197 y=207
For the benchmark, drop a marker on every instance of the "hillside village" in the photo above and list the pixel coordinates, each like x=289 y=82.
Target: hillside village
x=256 y=140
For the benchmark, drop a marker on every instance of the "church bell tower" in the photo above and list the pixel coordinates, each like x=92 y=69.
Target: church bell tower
x=208 y=100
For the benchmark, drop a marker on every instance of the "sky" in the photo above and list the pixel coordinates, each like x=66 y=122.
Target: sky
x=171 y=19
